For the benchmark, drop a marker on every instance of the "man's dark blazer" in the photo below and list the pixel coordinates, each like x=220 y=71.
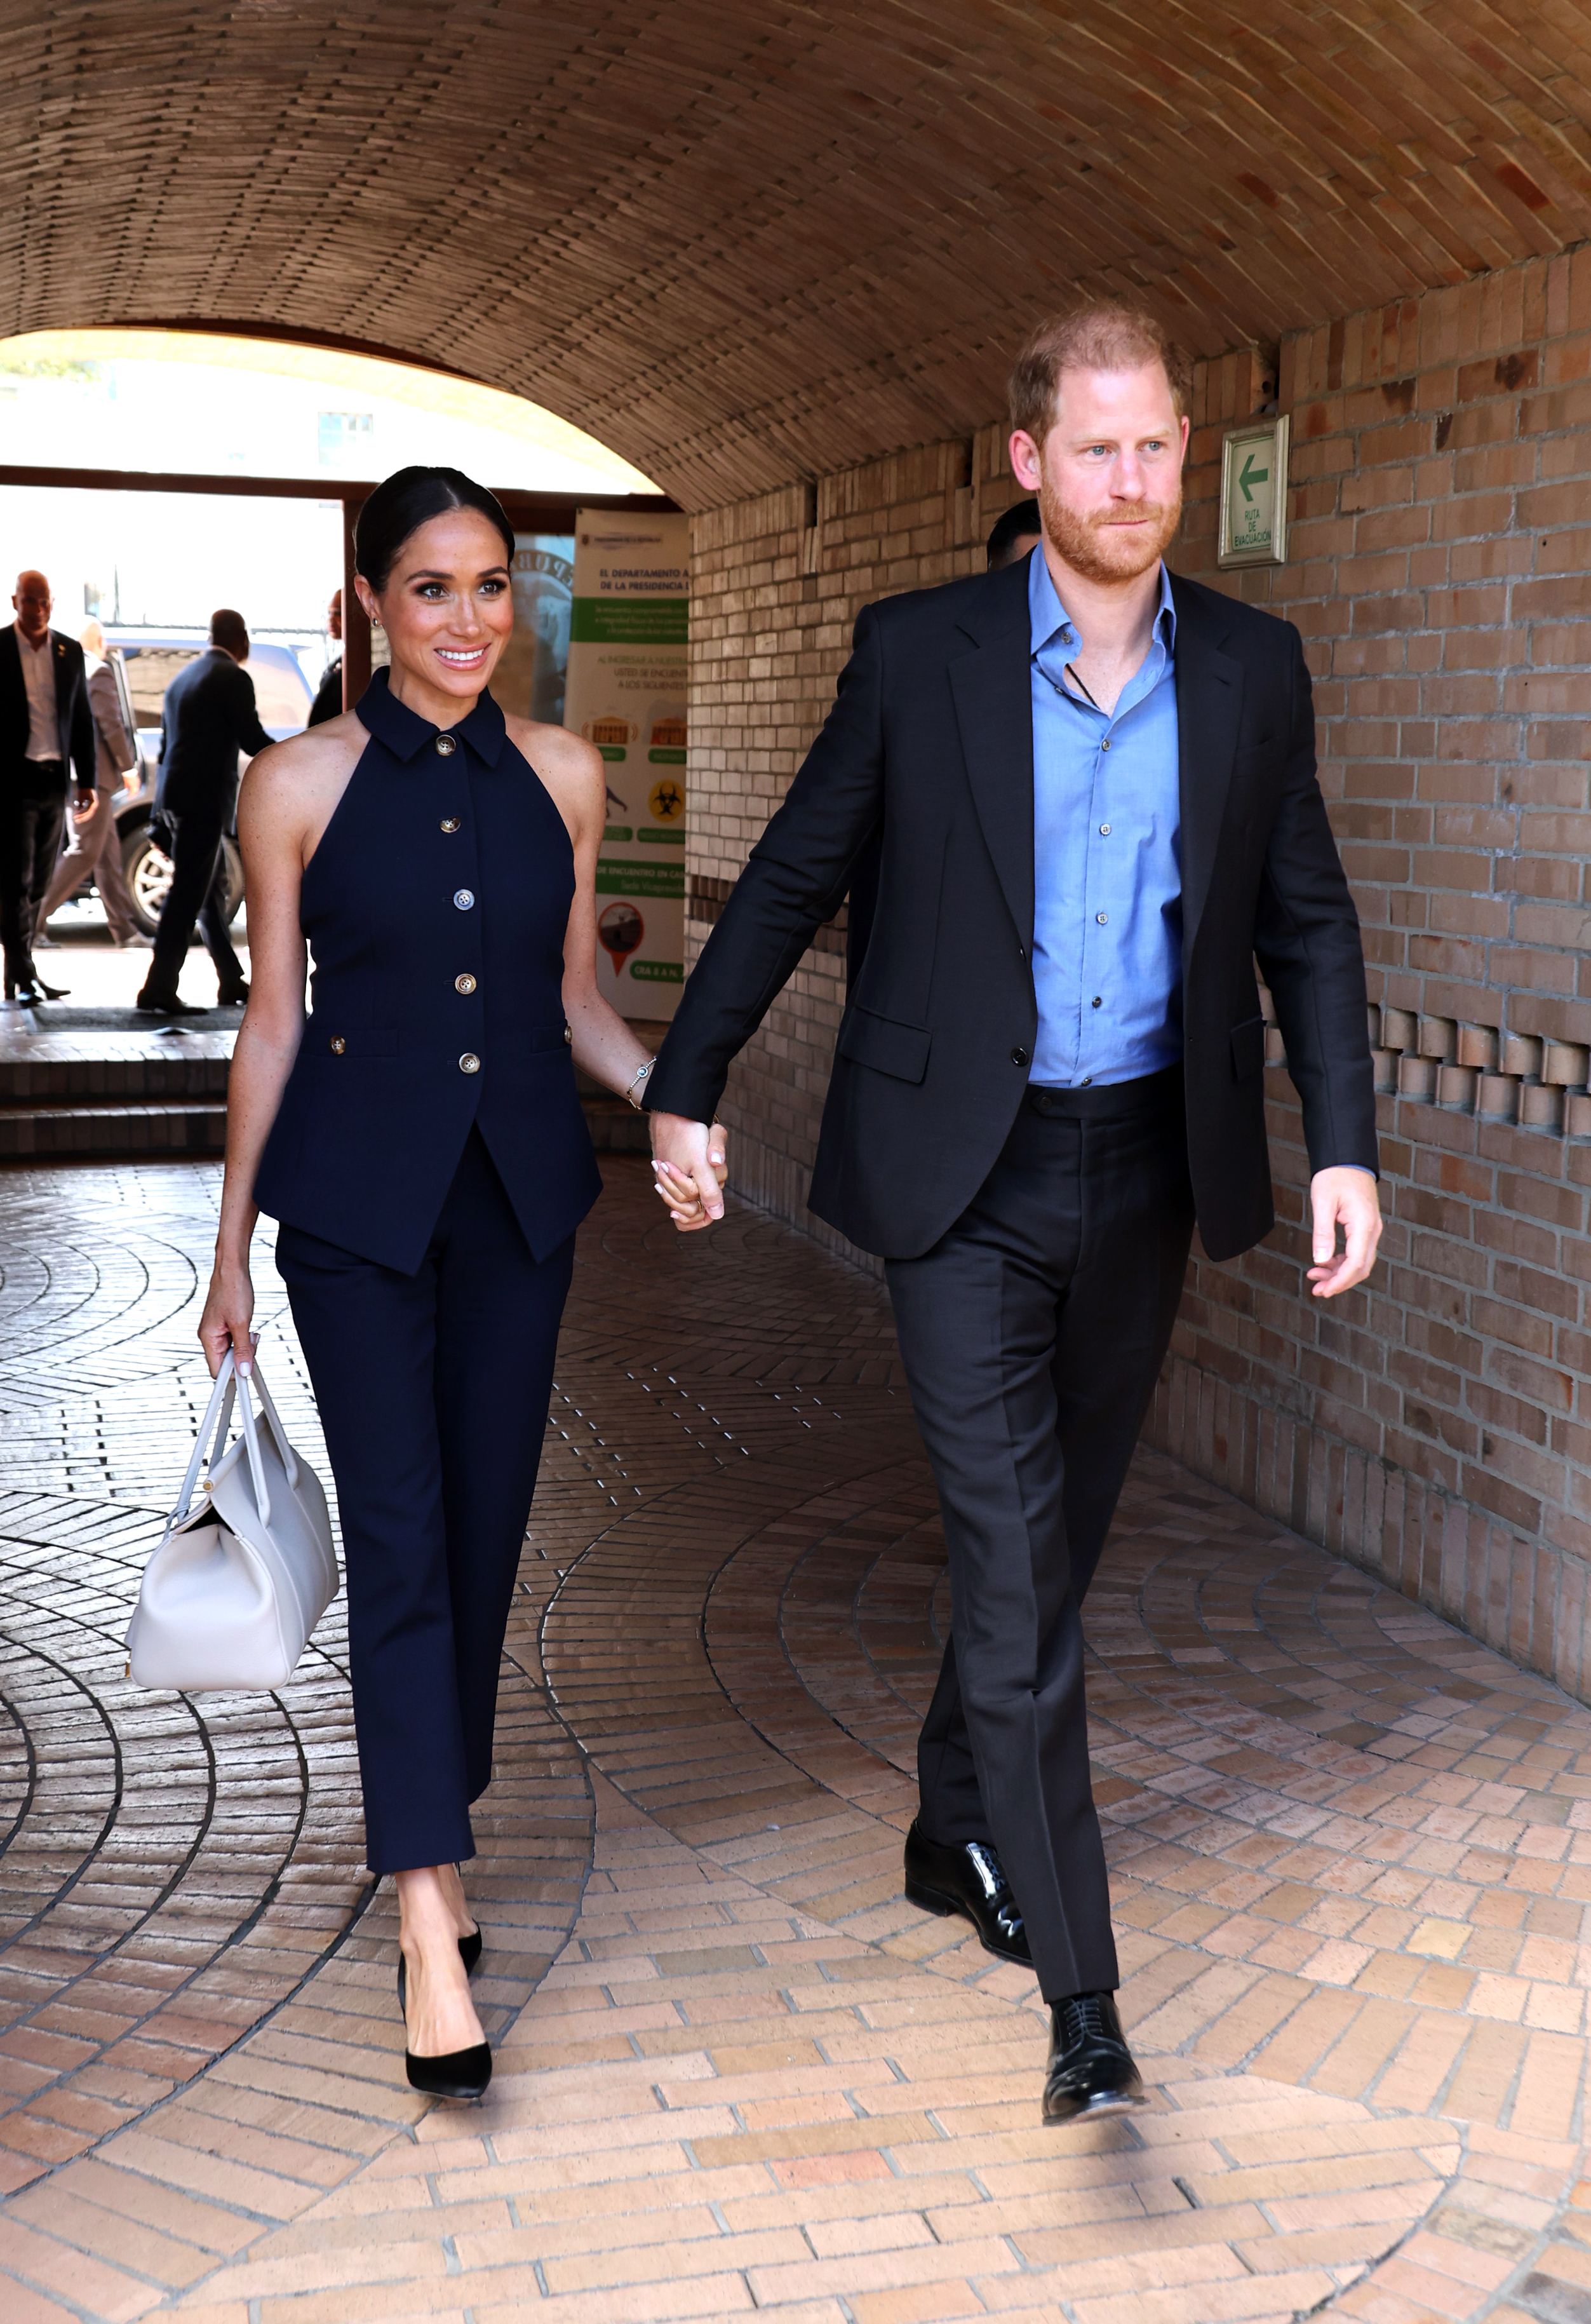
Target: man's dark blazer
x=928 y=752
x=74 y=717
x=208 y=715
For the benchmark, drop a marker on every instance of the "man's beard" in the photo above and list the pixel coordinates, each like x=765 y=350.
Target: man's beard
x=1103 y=552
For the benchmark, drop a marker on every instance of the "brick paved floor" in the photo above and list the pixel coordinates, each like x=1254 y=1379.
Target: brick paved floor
x=736 y=2072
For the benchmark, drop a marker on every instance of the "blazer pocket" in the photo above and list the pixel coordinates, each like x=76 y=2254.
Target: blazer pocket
x=1248 y=1048
x=888 y=1047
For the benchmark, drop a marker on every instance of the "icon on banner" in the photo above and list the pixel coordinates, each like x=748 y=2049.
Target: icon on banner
x=667 y=800
x=619 y=932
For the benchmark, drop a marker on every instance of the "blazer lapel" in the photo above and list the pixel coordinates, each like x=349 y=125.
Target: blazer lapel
x=992 y=688
x=1210 y=704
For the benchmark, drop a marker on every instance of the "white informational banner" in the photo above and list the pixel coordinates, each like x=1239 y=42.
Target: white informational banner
x=629 y=651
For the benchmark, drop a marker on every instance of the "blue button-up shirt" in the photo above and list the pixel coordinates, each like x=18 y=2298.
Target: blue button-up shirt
x=1108 y=858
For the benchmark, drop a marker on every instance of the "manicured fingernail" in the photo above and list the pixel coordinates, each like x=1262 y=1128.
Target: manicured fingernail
x=246 y=1368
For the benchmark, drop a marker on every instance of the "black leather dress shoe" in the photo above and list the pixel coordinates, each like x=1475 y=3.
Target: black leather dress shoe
x=965 y=1876
x=33 y=988
x=456 y=2073
x=1091 y=2071
x=235 y=996
x=159 y=1004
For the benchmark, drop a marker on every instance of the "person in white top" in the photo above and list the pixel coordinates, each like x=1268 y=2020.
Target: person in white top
x=95 y=846
x=46 y=726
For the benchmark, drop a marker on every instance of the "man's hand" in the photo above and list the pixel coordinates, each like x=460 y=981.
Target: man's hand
x=1348 y=1198
x=690 y=1163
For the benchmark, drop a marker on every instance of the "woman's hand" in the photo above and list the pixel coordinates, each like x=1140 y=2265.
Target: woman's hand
x=229 y=1311
x=693 y=1190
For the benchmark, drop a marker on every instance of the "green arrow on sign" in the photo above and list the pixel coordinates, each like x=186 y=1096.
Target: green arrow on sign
x=1249 y=474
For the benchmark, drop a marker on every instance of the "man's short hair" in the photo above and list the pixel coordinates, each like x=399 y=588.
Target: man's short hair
x=229 y=629
x=1109 y=337
x=1020 y=521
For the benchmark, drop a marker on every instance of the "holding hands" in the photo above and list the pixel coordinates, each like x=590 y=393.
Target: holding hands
x=690 y=1162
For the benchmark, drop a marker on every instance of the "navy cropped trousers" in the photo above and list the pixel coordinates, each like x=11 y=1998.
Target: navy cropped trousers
x=433 y=1390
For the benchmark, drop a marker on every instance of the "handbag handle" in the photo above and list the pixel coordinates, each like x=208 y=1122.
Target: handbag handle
x=245 y=1406
x=220 y=1393
x=289 y=1459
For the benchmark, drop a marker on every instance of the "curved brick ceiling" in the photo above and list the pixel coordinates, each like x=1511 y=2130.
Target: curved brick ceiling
x=743 y=243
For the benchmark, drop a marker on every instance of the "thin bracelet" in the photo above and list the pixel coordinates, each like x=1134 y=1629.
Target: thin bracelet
x=639 y=1075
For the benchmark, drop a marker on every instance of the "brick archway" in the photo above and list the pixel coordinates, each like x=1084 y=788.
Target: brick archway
x=745 y=247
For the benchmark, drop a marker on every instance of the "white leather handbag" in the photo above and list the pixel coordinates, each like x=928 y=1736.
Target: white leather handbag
x=230 y=1597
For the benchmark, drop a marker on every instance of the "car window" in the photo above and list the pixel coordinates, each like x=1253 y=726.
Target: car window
x=279 y=694
x=150 y=670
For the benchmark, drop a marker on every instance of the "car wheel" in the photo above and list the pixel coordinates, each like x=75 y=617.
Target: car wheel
x=147 y=870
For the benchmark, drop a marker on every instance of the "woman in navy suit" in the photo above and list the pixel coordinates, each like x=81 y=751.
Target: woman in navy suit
x=419 y=1136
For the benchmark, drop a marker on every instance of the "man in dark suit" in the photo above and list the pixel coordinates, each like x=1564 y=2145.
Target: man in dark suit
x=1093 y=792
x=46 y=726
x=208 y=715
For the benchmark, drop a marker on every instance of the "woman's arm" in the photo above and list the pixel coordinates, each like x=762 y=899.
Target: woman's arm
x=270 y=829
x=604 y=1046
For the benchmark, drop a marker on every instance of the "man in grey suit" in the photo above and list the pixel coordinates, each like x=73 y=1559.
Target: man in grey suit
x=95 y=846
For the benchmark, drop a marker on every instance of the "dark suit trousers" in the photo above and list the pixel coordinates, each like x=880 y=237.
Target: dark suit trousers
x=433 y=1391
x=33 y=811
x=197 y=894
x=1032 y=1334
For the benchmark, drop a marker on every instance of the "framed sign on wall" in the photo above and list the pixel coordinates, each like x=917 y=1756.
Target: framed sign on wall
x=1254 y=494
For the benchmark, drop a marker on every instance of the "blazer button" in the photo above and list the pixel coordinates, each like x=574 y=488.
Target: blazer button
x=445 y=746
x=450 y=822
x=337 y=1045
x=568 y=1032
x=469 y=1063
x=1019 y=1057
x=464 y=984
x=463 y=898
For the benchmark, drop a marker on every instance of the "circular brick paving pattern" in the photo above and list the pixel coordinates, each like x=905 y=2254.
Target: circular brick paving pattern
x=735 y=2070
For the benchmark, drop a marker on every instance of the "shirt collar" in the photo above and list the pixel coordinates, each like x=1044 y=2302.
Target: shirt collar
x=406 y=733
x=1048 y=615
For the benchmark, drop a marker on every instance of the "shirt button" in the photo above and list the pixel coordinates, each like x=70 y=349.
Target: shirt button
x=464 y=984
x=1104 y=831
x=337 y=1045
x=1105 y=745
x=1019 y=1057
x=445 y=746
x=450 y=823
x=1097 y=1000
x=469 y=1063
x=463 y=898
x=1102 y=917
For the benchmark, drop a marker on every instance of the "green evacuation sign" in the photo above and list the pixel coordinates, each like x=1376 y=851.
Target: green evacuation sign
x=1254 y=466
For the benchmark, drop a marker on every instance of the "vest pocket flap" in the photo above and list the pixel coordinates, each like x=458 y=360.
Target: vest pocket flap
x=888 y=1047
x=1248 y=1048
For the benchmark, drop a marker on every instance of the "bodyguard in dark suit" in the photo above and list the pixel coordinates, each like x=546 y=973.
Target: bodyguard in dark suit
x=46 y=726
x=1091 y=787
x=208 y=718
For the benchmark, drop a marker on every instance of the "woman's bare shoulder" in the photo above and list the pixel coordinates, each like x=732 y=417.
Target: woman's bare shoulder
x=295 y=783
x=554 y=751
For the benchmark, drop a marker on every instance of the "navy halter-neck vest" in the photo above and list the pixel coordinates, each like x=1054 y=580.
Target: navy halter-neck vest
x=435 y=909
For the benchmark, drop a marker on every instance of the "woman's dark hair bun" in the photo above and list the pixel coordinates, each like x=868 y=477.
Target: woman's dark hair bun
x=411 y=497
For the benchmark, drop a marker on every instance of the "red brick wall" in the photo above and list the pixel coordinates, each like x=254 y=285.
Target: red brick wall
x=1433 y=1426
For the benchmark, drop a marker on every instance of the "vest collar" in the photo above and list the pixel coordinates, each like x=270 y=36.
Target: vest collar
x=406 y=733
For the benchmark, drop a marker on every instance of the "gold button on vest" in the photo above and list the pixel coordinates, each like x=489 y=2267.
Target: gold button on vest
x=450 y=822
x=337 y=1045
